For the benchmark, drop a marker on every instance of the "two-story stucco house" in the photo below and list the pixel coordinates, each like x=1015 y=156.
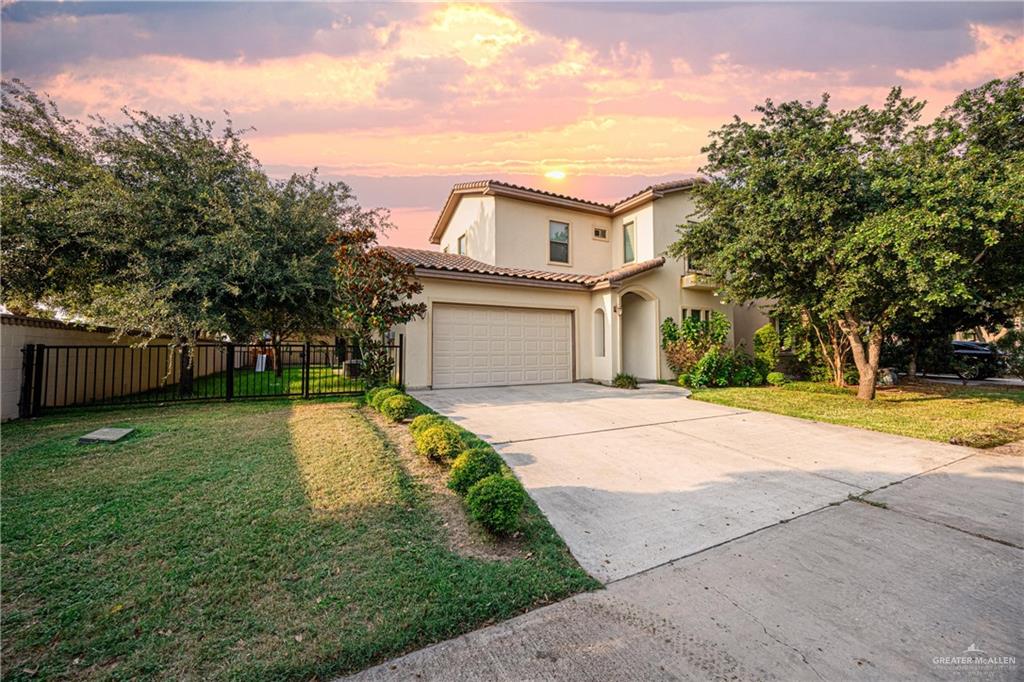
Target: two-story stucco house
x=533 y=287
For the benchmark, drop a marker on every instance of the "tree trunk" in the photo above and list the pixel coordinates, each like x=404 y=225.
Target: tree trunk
x=187 y=382
x=912 y=363
x=832 y=351
x=866 y=358
x=276 y=343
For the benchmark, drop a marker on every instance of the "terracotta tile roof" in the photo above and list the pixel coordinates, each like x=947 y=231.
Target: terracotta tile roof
x=483 y=184
x=449 y=262
x=664 y=187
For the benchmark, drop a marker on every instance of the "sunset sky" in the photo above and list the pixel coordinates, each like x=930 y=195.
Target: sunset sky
x=403 y=100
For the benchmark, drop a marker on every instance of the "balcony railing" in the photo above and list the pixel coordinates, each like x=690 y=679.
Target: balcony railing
x=697 y=281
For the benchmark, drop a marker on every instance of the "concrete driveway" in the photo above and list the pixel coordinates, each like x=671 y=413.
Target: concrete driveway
x=773 y=571
x=633 y=479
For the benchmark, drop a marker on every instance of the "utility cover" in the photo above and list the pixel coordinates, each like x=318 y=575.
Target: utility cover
x=105 y=435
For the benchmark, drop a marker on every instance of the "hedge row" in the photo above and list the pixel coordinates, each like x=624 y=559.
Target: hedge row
x=493 y=497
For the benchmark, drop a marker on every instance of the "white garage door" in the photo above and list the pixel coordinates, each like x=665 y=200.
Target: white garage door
x=492 y=346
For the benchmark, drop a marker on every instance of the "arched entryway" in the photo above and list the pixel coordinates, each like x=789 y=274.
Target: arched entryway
x=639 y=335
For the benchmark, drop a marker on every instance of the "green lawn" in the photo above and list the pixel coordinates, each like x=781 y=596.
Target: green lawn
x=261 y=540
x=250 y=383
x=978 y=417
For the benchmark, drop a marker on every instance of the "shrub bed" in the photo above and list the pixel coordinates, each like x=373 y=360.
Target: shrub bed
x=496 y=502
x=441 y=442
x=425 y=421
x=380 y=396
x=471 y=466
x=398 y=407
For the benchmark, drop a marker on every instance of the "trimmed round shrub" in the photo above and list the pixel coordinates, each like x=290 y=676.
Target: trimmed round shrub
x=371 y=393
x=440 y=442
x=397 y=407
x=380 y=396
x=425 y=421
x=496 y=502
x=472 y=466
x=776 y=379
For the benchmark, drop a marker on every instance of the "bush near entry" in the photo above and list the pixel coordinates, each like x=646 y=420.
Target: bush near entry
x=623 y=380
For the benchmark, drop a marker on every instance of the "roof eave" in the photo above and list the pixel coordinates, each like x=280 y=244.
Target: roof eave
x=454 y=197
x=537 y=198
x=485 y=278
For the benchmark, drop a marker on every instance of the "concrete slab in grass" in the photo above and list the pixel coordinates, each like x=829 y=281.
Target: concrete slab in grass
x=983 y=494
x=105 y=435
x=847 y=593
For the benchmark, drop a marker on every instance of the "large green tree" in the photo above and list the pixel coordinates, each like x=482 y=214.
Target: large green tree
x=61 y=208
x=286 y=281
x=163 y=225
x=854 y=217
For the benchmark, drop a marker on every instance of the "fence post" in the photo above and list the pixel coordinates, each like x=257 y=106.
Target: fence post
x=401 y=361
x=37 y=382
x=229 y=388
x=28 y=356
x=305 y=369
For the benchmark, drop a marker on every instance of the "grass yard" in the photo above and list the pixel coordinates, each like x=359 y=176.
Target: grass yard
x=248 y=382
x=978 y=417
x=264 y=540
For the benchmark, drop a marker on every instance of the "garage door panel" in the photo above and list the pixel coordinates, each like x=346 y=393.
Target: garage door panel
x=493 y=346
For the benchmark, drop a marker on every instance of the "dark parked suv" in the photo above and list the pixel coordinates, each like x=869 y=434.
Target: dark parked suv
x=975 y=360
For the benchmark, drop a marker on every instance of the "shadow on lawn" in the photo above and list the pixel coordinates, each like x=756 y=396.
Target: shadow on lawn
x=277 y=539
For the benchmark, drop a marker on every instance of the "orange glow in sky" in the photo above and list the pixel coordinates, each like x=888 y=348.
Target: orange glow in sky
x=402 y=100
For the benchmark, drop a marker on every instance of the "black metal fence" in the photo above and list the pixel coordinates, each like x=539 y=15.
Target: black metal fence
x=84 y=376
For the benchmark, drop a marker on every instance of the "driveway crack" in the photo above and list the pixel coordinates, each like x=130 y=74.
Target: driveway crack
x=771 y=636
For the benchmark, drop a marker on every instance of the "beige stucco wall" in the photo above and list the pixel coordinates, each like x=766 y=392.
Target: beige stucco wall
x=522 y=239
x=514 y=233
x=14 y=336
x=475 y=218
x=749 y=317
x=646 y=248
x=418 y=337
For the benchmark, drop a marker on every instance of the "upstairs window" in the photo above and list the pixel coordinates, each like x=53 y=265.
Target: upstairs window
x=462 y=245
x=601 y=233
x=558 y=241
x=629 y=242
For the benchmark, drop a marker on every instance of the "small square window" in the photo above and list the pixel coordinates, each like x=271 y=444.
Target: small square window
x=601 y=233
x=558 y=241
x=462 y=245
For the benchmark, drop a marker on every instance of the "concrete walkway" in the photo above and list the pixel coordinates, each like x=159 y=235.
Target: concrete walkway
x=776 y=573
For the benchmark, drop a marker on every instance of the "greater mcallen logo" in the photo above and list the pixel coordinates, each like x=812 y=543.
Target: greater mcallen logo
x=973 y=658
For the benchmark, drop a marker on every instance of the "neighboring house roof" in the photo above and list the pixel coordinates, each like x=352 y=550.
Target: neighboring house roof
x=449 y=265
x=505 y=189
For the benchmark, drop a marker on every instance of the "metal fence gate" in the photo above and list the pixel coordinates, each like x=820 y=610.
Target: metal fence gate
x=84 y=376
